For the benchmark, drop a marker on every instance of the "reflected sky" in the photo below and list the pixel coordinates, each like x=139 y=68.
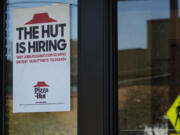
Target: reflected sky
x=16 y=4
x=132 y=21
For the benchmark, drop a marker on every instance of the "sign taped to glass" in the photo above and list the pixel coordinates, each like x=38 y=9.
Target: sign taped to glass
x=41 y=59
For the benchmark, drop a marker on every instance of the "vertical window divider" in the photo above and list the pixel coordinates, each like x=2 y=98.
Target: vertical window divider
x=2 y=65
x=97 y=95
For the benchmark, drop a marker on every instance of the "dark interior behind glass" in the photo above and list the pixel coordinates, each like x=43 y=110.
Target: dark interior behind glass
x=148 y=65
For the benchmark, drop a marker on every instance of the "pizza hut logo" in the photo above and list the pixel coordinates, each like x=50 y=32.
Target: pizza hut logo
x=40 y=90
x=40 y=18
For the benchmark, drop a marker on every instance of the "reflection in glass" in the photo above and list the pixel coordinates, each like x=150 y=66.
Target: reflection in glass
x=148 y=69
x=56 y=123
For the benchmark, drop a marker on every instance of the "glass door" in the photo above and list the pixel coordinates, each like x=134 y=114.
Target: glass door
x=41 y=123
x=148 y=66
x=95 y=41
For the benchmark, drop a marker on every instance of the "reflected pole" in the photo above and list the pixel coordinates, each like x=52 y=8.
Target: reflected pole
x=174 y=19
x=174 y=48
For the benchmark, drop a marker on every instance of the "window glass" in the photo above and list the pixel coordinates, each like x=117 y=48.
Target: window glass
x=148 y=65
x=45 y=123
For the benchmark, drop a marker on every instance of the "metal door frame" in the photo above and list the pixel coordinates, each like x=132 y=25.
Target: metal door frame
x=97 y=67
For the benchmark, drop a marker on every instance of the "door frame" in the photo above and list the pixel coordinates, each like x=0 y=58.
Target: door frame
x=2 y=65
x=97 y=67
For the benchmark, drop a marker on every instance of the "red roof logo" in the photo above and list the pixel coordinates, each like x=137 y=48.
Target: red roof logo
x=40 y=18
x=41 y=84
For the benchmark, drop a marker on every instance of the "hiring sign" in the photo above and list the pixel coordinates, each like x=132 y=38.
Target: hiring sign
x=41 y=59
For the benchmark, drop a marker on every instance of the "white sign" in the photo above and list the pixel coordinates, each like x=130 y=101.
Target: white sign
x=41 y=59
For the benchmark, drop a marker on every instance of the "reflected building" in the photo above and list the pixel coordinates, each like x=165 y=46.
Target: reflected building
x=144 y=79
x=153 y=61
x=159 y=49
